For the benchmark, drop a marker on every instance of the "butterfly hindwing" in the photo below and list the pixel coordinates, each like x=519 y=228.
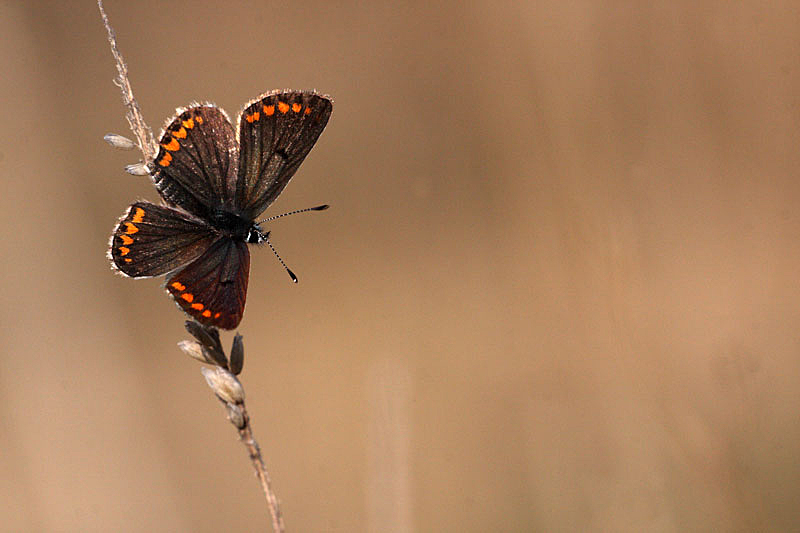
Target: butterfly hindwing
x=212 y=289
x=276 y=132
x=152 y=240
x=195 y=167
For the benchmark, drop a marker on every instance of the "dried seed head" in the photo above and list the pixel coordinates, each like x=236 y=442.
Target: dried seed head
x=237 y=355
x=120 y=142
x=235 y=415
x=224 y=384
x=209 y=339
x=193 y=350
x=138 y=169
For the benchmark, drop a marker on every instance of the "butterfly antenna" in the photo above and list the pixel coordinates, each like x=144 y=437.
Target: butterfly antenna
x=318 y=208
x=274 y=251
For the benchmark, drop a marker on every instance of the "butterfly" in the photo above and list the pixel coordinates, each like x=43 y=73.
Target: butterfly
x=214 y=187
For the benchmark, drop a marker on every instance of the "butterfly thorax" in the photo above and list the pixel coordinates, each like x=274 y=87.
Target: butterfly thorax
x=238 y=227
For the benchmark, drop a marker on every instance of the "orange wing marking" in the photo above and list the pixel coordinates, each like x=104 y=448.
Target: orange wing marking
x=172 y=146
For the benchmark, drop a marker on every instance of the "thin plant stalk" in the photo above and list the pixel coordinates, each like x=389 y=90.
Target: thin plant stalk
x=222 y=378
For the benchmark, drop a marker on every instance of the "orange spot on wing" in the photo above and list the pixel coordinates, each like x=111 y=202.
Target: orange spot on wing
x=124 y=251
x=188 y=296
x=269 y=110
x=199 y=119
x=206 y=313
x=130 y=228
x=198 y=306
x=307 y=111
x=139 y=215
x=126 y=239
x=166 y=160
x=297 y=107
x=283 y=107
x=188 y=124
x=216 y=315
x=251 y=118
x=181 y=133
x=128 y=259
x=172 y=145
x=179 y=286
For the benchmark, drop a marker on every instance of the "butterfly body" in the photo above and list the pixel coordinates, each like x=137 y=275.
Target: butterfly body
x=235 y=226
x=214 y=187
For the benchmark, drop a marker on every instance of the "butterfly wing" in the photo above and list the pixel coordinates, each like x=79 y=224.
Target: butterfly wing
x=212 y=289
x=276 y=132
x=197 y=159
x=151 y=240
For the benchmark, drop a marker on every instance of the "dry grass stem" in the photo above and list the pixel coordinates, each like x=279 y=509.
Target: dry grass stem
x=207 y=348
x=246 y=436
x=221 y=377
x=140 y=129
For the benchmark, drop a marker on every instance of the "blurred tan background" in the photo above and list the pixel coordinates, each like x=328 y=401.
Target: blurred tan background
x=556 y=291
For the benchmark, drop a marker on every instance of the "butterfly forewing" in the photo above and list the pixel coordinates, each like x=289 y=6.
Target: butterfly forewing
x=197 y=159
x=276 y=132
x=152 y=240
x=213 y=288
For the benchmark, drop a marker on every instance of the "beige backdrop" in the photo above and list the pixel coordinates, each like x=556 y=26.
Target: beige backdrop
x=557 y=288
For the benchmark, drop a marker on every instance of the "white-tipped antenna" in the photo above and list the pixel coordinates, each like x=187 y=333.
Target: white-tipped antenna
x=274 y=251
x=318 y=208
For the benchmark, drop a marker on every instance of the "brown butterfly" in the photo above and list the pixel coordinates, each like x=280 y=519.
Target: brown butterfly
x=214 y=189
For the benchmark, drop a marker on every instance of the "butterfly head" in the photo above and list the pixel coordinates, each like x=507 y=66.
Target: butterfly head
x=255 y=235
